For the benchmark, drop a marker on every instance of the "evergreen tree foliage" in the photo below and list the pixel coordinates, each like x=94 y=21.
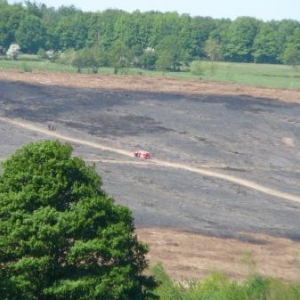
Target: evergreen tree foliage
x=61 y=235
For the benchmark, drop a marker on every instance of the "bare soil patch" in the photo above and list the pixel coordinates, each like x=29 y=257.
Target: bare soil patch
x=193 y=223
x=151 y=84
x=186 y=255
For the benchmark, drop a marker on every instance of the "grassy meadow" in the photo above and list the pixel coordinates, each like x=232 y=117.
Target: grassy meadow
x=261 y=75
x=219 y=287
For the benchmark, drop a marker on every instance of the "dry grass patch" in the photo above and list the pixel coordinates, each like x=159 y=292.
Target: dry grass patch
x=186 y=255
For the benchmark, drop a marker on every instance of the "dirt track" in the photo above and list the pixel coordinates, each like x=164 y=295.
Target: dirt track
x=206 y=172
x=226 y=163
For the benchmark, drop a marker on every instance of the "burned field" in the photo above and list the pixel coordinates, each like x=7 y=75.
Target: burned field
x=236 y=134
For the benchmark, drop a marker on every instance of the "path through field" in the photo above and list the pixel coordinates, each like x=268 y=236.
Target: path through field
x=222 y=176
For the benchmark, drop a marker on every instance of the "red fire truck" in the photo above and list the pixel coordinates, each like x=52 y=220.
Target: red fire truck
x=142 y=154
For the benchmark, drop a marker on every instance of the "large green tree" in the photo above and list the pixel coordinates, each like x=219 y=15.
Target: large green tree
x=200 y=28
x=10 y=18
x=170 y=54
x=241 y=35
x=119 y=56
x=93 y=58
x=61 y=235
x=266 y=48
x=105 y=27
x=212 y=50
x=72 y=31
x=4 y=16
x=291 y=55
x=30 y=34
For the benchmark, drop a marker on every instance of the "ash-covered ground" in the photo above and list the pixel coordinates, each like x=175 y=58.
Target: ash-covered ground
x=251 y=138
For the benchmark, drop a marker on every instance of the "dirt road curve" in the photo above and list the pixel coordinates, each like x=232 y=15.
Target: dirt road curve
x=222 y=176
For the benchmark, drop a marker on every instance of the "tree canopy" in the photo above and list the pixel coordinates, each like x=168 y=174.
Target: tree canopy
x=245 y=39
x=61 y=235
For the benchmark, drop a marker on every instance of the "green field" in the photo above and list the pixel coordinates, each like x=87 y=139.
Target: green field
x=262 y=75
x=219 y=287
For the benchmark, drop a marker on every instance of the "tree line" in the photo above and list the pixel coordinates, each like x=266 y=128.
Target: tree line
x=145 y=39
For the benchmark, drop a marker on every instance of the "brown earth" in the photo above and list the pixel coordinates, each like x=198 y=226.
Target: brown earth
x=186 y=255
x=184 y=252
x=151 y=84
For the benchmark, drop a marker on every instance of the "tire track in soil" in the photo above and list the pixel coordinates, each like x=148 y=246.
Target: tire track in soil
x=206 y=172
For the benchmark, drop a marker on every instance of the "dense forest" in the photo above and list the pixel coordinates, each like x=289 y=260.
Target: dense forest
x=149 y=40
